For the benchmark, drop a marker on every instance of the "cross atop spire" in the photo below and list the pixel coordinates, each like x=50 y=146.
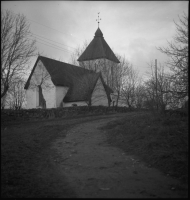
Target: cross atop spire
x=98 y=20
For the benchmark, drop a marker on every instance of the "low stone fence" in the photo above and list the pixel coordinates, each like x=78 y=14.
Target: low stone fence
x=69 y=112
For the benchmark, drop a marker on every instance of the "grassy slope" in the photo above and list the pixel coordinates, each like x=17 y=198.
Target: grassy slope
x=22 y=149
x=27 y=162
x=162 y=142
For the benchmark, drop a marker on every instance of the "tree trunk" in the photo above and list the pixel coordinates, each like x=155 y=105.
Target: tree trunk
x=118 y=94
x=4 y=91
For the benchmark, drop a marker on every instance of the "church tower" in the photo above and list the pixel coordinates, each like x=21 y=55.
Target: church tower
x=99 y=57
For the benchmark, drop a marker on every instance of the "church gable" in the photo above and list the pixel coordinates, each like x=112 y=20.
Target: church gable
x=40 y=88
x=90 y=88
x=40 y=76
x=99 y=95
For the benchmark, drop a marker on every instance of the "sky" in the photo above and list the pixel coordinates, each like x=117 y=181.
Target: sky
x=131 y=28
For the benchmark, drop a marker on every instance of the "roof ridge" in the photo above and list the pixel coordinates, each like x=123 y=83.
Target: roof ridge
x=63 y=65
x=57 y=60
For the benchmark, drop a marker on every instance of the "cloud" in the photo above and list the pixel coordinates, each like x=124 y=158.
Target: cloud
x=131 y=28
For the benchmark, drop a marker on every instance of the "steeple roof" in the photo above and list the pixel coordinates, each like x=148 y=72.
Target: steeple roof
x=98 y=48
x=98 y=33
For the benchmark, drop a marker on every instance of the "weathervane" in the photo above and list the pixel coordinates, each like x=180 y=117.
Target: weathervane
x=98 y=20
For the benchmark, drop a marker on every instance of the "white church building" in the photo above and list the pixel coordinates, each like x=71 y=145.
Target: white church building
x=54 y=84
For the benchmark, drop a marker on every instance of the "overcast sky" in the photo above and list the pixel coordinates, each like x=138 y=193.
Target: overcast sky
x=131 y=28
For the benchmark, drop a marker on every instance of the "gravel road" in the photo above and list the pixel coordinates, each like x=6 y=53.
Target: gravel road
x=95 y=169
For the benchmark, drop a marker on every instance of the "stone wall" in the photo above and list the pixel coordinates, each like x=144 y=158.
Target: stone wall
x=38 y=114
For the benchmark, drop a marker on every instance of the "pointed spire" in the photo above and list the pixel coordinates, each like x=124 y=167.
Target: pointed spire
x=98 y=20
x=98 y=33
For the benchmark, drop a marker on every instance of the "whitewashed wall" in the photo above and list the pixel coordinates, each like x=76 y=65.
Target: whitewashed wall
x=32 y=93
x=49 y=96
x=99 y=96
x=60 y=94
x=31 y=98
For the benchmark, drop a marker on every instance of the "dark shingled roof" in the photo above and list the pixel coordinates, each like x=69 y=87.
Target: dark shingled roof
x=98 y=48
x=82 y=89
x=80 y=81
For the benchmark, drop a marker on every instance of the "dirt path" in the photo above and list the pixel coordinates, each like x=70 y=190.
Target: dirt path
x=95 y=169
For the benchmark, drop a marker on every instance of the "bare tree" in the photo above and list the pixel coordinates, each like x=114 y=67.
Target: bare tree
x=129 y=86
x=4 y=101
x=158 y=87
x=40 y=77
x=78 y=51
x=140 y=95
x=16 y=48
x=177 y=51
x=119 y=75
x=15 y=97
x=16 y=94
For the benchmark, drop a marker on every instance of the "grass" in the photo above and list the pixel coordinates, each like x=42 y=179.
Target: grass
x=160 y=141
x=26 y=158
x=27 y=169
x=22 y=149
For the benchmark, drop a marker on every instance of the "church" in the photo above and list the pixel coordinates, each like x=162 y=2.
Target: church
x=53 y=84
